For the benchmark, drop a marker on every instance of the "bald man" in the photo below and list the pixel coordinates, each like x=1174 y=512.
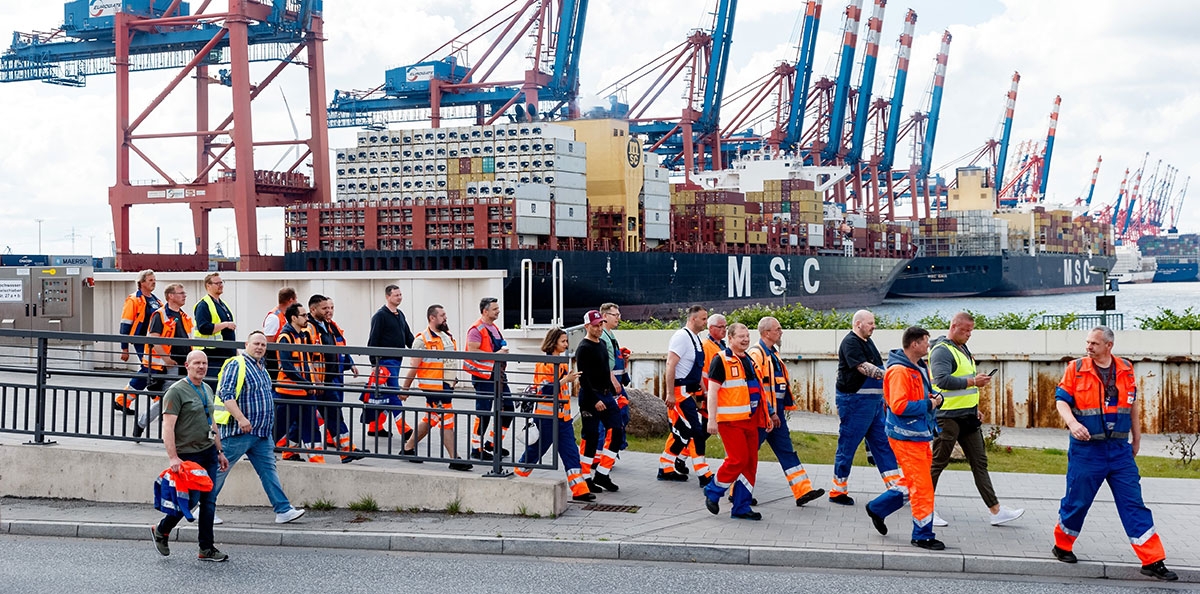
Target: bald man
x=777 y=385
x=860 y=408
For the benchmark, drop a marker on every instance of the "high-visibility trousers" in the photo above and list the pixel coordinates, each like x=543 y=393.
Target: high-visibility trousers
x=568 y=452
x=740 y=467
x=916 y=484
x=1088 y=466
x=687 y=428
x=861 y=417
x=780 y=439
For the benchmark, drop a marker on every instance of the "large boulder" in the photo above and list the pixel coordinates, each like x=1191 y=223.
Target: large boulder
x=647 y=415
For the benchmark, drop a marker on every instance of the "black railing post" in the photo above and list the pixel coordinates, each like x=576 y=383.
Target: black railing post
x=39 y=420
x=498 y=384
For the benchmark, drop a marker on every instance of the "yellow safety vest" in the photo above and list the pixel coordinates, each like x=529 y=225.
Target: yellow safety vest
x=216 y=319
x=221 y=414
x=964 y=367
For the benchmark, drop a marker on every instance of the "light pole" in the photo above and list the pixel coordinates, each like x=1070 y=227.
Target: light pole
x=39 y=222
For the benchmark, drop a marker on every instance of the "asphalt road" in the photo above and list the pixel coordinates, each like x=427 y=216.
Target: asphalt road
x=70 y=565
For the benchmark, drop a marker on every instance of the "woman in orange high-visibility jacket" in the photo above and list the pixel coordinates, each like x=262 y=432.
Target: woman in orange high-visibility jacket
x=911 y=425
x=736 y=410
x=1097 y=399
x=556 y=343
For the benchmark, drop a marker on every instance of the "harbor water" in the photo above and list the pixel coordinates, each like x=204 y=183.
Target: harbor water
x=1133 y=301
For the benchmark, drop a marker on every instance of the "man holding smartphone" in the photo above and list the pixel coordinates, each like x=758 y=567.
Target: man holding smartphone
x=955 y=375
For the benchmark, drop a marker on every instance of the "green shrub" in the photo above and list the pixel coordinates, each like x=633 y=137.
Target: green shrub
x=1167 y=319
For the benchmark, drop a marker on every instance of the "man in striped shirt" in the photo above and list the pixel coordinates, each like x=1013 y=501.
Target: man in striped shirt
x=244 y=388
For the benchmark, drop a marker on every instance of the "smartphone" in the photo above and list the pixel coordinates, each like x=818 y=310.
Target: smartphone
x=993 y=372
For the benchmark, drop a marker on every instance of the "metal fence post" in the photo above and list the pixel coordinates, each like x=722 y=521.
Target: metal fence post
x=498 y=384
x=39 y=419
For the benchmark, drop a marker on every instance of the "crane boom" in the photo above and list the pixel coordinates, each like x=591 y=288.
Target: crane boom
x=897 y=103
x=837 y=114
x=804 y=66
x=1050 y=144
x=870 y=57
x=1010 y=106
x=935 y=105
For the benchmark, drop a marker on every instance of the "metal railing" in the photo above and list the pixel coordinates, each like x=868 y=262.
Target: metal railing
x=62 y=384
x=1115 y=321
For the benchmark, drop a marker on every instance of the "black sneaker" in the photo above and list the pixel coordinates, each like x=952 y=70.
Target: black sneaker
x=138 y=430
x=877 y=521
x=1159 y=570
x=1067 y=556
x=380 y=433
x=842 y=499
x=712 y=505
x=490 y=448
x=593 y=487
x=461 y=466
x=584 y=497
x=480 y=455
x=750 y=515
x=671 y=476
x=929 y=544
x=704 y=480
x=603 y=480
x=348 y=458
x=681 y=467
x=412 y=452
x=160 y=542
x=213 y=555
x=810 y=496
x=123 y=408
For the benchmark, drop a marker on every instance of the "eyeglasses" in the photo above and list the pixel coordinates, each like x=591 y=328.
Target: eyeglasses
x=613 y=314
x=216 y=282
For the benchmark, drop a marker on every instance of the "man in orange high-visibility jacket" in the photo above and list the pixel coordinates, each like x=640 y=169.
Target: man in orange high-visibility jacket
x=736 y=410
x=329 y=370
x=135 y=318
x=1097 y=399
x=294 y=381
x=437 y=380
x=777 y=385
x=911 y=426
x=484 y=336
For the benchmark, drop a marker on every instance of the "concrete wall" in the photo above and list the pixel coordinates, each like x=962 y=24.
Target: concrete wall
x=1030 y=364
x=68 y=470
x=356 y=295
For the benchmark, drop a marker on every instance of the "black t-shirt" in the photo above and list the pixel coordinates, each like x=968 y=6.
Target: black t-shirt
x=853 y=352
x=591 y=357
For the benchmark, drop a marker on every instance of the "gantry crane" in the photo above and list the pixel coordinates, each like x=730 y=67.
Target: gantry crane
x=438 y=86
x=131 y=36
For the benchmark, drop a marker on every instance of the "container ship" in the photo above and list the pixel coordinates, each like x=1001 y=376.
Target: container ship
x=1132 y=267
x=973 y=250
x=1177 y=256
x=580 y=211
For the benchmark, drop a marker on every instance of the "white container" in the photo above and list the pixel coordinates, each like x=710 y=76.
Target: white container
x=533 y=225
x=569 y=163
x=537 y=192
x=570 y=228
x=661 y=231
x=569 y=196
x=570 y=212
x=567 y=179
x=546 y=130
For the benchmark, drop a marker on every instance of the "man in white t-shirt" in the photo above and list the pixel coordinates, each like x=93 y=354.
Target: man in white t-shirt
x=685 y=365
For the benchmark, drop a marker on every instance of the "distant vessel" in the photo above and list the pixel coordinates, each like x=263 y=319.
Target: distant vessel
x=1132 y=267
x=971 y=249
x=1177 y=256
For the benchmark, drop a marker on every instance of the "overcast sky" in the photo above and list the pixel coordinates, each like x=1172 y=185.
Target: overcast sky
x=1127 y=73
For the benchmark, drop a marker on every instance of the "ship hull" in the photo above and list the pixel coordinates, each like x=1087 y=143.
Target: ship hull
x=1007 y=275
x=646 y=284
x=1177 y=270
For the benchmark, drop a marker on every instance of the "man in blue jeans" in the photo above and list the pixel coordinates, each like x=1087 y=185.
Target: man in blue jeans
x=246 y=416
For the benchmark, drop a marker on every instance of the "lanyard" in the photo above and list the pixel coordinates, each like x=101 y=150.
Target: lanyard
x=203 y=400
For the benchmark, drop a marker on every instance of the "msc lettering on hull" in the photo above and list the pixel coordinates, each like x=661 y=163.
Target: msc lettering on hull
x=1077 y=272
x=739 y=276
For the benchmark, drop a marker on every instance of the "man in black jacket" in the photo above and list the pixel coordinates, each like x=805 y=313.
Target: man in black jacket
x=389 y=329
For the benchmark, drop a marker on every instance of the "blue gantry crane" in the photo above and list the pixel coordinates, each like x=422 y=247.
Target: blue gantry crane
x=437 y=82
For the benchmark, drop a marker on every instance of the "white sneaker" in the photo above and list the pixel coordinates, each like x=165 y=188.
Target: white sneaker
x=1006 y=515
x=938 y=521
x=288 y=516
x=217 y=521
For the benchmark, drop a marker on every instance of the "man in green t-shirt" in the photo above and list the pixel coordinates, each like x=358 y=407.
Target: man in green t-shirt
x=190 y=434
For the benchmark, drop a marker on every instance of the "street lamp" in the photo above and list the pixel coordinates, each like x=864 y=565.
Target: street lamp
x=39 y=222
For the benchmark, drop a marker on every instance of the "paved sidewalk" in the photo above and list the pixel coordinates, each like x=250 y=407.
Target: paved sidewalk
x=671 y=524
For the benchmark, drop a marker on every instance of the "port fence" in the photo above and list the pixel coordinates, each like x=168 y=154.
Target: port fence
x=1115 y=321
x=63 y=384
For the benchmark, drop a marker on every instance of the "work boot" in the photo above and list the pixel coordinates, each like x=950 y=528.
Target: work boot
x=681 y=467
x=673 y=476
x=583 y=497
x=753 y=500
x=138 y=430
x=750 y=515
x=842 y=499
x=1064 y=555
x=593 y=487
x=1159 y=570
x=704 y=480
x=293 y=457
x=480 y=455
x=461 y=466
x=809 y=496
x=712 y=505
x=352 y=456
x=877 y=521
x=381 y=432
x=929 y=544
x=603 y=480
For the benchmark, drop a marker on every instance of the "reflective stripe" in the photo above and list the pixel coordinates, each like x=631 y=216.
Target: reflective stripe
x=1087 y=412
x=870 y=391
x=1141 y=540
x=922 y=522
x=1119 y=435
x=733 y=410
x=953 y=393
x=1074 y=533
x=734 y=383
x=216 y=319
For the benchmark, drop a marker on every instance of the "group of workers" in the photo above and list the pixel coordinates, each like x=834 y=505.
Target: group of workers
x=911 y=411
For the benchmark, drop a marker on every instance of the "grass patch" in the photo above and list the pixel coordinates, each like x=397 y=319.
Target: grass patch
x=454 y=507
x=321 y=505
x=366 y=503
x=815 y=448
x=525 y=513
